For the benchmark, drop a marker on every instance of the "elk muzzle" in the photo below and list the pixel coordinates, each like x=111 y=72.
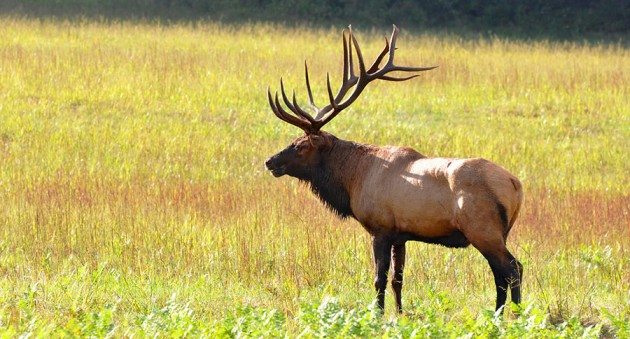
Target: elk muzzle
x=276 y=167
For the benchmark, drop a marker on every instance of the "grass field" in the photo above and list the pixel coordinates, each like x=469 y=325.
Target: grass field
x=135 y=202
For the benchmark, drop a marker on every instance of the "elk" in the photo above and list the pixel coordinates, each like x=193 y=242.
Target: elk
x=396 y=193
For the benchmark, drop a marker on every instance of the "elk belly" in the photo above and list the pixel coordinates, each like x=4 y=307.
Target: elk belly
x=415 y=199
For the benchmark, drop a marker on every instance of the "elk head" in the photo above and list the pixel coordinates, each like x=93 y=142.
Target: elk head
x=304 y=154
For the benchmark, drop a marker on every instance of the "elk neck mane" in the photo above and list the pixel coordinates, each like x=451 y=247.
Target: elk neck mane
x=338 y=169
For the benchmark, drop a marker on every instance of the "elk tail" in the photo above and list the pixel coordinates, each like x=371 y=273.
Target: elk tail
x=518 y=187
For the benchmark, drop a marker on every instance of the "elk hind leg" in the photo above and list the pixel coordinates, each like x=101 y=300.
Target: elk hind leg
x=507 y=271
x=485 y=229
x=515 y=279
x=505 y=268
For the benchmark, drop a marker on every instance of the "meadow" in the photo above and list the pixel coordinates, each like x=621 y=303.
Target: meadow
x=135 y=201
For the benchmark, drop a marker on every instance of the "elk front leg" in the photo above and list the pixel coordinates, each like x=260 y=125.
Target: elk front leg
x=398 y=259
x=382 y=247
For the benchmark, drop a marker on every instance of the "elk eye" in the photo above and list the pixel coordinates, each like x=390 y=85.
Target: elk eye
x=301 y=147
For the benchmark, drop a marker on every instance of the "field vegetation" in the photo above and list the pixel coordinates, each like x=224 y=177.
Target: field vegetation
x=135 y=202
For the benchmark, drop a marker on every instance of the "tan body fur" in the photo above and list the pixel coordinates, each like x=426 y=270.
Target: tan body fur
x=398 y=189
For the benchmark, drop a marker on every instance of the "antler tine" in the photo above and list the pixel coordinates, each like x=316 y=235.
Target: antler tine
x=389 y=67
x=302 y=112
x=332 y=107
x=412 y=69
x=284 y=116
x=284 y=113
x=349 y=78
x=284 y=96
x=379 y=58
x=392 y=47
x=274 y=109
x=345 y=56
x=308 y=88
x=293 y=106
x=350 y=58
x=362 y=71
x=331 y=110
x=360 y=82
x=388 y=78
x=333 y=104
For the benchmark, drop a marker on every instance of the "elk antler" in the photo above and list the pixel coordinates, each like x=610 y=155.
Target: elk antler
x=305 y=121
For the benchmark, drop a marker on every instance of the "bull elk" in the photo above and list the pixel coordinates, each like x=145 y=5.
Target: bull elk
x=396 y=193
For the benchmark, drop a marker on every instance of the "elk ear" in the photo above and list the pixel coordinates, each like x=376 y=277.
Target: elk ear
x=318 y=140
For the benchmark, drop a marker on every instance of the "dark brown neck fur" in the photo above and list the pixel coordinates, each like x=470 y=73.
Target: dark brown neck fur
x=333 y=177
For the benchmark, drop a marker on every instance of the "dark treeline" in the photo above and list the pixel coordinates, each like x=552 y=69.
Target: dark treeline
x=551 y=18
